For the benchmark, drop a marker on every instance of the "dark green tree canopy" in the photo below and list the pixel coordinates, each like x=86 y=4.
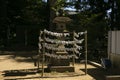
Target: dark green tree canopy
x=91 y=15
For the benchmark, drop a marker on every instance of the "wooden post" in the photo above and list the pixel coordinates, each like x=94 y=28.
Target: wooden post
x=85 y=52
x=73 y=47
x=38 y=57
x=43 y=54
x=39 y=52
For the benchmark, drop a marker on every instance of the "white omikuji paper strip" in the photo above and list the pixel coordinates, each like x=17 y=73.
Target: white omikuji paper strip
x=63 y=42
x=54 y=46
x=79 y=33
x=63 y=34
x=61 y=56
x=55 y=33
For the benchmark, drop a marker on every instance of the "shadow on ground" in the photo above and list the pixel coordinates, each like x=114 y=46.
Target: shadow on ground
x=100 y=73
x=20 y=72
x=96 y=73
x=35 y=74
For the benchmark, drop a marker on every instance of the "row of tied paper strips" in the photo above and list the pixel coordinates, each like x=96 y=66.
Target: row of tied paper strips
x=52 y=46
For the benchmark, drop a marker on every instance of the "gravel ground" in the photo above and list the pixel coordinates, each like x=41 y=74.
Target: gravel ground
x=9 y=63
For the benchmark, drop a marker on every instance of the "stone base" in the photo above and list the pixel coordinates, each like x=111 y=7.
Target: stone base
x=62 y=68
x=60 y=62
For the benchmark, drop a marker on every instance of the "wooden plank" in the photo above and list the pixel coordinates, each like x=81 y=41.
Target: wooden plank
x=113 y=77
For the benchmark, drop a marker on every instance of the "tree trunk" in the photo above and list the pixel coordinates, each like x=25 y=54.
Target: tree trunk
x=52 y=14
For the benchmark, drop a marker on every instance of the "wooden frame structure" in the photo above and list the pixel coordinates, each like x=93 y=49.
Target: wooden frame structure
x=43 y=52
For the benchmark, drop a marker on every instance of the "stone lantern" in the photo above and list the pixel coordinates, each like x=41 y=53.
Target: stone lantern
x=61 y=65
x=61 y=23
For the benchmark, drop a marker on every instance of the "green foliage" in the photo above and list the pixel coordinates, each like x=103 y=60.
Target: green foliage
x=22 y=12
x=114 y=15
x=97 y=32
x=117 y=13
x=59 y=4
x=91 y=16
x=27 y=12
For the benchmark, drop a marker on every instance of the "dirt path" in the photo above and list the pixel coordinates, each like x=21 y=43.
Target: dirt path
x=9 y=63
